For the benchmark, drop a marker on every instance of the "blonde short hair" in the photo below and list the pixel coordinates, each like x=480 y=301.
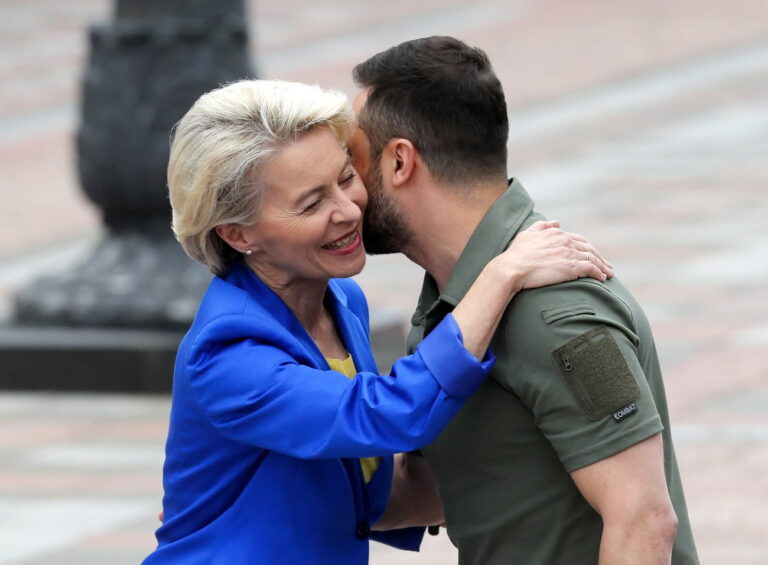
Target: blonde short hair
x=218 y=149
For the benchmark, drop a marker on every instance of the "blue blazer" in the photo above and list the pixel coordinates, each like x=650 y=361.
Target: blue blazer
x=262 y=454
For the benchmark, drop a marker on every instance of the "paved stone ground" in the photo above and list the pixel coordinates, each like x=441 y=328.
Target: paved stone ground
x=642 y=125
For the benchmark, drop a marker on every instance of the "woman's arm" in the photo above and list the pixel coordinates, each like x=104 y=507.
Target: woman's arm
x=539 y=256
x=250 y=381
x=246 y=375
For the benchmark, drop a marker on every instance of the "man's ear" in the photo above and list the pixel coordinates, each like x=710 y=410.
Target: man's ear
x=236 y=237
x=402 y=156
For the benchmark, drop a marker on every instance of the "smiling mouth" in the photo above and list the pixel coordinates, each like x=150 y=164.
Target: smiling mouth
x=342 y=242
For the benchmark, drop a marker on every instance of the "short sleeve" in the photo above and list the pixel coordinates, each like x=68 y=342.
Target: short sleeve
x=571 y=356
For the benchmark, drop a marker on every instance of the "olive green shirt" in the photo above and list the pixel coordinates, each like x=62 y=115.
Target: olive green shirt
x=577 y=380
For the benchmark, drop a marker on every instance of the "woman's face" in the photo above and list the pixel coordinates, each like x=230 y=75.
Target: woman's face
x=310 y=223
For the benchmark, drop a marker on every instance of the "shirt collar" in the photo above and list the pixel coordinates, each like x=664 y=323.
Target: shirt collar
x=498 y=227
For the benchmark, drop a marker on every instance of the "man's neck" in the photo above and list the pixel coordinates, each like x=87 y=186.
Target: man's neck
x=444 y=225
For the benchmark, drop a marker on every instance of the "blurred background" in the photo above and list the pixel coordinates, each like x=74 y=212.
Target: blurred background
x=643 y=125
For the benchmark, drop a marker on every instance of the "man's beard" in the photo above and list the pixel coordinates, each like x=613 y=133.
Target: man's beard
x=384 y=227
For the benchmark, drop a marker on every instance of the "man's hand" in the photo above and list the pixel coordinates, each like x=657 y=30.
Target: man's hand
x=629 y=491
x=414 y=500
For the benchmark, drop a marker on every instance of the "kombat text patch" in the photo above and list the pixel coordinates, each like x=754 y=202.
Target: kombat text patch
x=598 y=375
x=625 y=412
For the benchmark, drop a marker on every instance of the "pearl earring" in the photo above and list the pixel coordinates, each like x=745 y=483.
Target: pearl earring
x=249 y=252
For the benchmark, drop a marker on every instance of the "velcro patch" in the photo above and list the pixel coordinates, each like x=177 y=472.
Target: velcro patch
x=597 y=374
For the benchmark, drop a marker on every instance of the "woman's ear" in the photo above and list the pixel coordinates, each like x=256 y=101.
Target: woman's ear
x=236 y=237
x=402 y=160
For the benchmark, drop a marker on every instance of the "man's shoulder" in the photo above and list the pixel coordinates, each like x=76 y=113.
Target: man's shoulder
x=541 y=319
x=550 y=302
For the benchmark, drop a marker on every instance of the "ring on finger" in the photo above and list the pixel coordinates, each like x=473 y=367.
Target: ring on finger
x=589 y=257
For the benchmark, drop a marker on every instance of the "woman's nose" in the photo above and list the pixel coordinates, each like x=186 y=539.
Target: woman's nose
x=347 y=211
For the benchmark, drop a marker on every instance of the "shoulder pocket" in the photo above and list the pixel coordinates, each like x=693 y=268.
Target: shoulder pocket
x=597 y=373
x=566 y=311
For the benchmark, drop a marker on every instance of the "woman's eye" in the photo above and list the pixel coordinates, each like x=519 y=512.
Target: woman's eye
x=313 y=206
x=347 y=179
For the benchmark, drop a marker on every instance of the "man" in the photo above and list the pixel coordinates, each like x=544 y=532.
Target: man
x=565 y=455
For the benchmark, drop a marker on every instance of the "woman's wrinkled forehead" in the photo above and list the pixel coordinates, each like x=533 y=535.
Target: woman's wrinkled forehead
x=313 y=160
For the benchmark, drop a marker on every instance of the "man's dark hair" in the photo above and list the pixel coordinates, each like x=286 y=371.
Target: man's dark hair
x=443 y=96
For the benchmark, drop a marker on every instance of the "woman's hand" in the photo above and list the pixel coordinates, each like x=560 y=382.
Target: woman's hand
x=544 y=254
x=541 y=255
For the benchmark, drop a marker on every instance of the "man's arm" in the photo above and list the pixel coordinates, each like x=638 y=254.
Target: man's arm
x=414 y=500
x=629 y=491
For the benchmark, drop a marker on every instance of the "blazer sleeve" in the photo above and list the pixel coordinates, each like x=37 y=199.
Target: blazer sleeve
x=255 y=391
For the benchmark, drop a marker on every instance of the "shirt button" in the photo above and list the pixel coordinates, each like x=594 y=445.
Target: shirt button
x=363 y=530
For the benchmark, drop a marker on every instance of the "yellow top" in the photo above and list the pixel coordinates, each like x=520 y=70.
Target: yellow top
x=347 y=368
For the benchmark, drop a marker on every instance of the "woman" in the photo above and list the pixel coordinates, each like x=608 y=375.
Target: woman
x=271 y=455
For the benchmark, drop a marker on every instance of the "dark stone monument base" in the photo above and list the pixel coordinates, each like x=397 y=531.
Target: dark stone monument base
x=94 y=360
x=124 y=360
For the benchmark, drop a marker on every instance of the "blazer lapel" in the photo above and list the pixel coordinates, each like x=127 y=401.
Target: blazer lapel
x=348 y=324
x=271 y=304
x=352 y=331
